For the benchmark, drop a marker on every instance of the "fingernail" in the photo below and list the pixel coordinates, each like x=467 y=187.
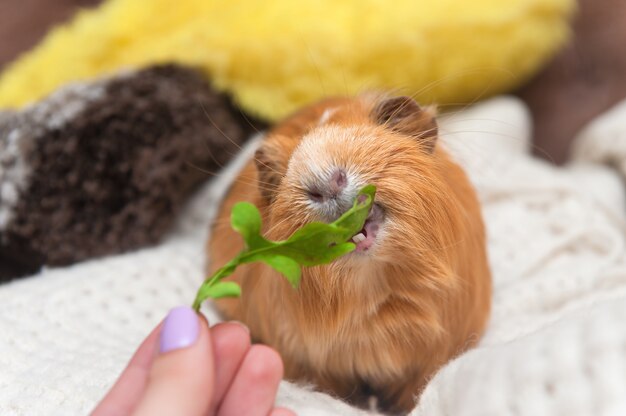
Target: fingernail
x=180 y=329
x=241 y=324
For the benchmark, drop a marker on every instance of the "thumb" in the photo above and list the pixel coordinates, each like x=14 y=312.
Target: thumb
x=182 y=376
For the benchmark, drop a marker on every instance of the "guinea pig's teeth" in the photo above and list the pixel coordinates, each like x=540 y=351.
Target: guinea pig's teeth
x=358 y=238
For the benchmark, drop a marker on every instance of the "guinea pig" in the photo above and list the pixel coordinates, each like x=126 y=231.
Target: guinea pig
x=416 y=291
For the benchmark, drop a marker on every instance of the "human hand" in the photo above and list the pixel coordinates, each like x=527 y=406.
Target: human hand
x=184 y=368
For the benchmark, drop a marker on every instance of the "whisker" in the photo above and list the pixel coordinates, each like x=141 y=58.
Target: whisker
x=250 y=123
x=218 y=128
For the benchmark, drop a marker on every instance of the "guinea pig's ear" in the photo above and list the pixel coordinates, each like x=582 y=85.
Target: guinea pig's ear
x=404 y=115
x=269 y=172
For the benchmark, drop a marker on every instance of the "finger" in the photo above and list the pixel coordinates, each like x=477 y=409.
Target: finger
x=181 y=379
x=254 y=388
x=281 y=411
x=231 y=342
x=127 y=390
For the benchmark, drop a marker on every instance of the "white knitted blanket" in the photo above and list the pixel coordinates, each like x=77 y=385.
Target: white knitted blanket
x=556 y=343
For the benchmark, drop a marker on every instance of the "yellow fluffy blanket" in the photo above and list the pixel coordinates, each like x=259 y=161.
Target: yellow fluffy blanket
x=275 y=56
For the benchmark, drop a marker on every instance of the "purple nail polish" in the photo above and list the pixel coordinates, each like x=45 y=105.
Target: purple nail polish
x=180 y=329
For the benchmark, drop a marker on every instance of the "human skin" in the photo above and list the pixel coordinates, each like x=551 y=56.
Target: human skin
x=220 y=373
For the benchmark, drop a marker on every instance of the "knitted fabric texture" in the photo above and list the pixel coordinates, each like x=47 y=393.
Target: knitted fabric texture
x=104 y=167
x=554 y=346
x=279 y=55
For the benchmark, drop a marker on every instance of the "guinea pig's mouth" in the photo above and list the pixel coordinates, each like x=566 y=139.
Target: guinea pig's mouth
x=365 y=238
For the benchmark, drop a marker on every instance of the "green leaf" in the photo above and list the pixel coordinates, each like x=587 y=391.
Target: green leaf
x=246 y=220
x=315 y=243
x=285 y=266
x=224 y=290
x=215 y=291
x=353 y=219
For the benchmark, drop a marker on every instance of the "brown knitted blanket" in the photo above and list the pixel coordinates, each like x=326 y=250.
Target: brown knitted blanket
x=103 y=167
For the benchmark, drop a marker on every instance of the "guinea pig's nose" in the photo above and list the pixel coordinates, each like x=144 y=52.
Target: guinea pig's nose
x=331 y=190
x=338 y=182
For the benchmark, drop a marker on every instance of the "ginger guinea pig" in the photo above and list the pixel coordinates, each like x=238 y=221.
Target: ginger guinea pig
x=416 y=291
